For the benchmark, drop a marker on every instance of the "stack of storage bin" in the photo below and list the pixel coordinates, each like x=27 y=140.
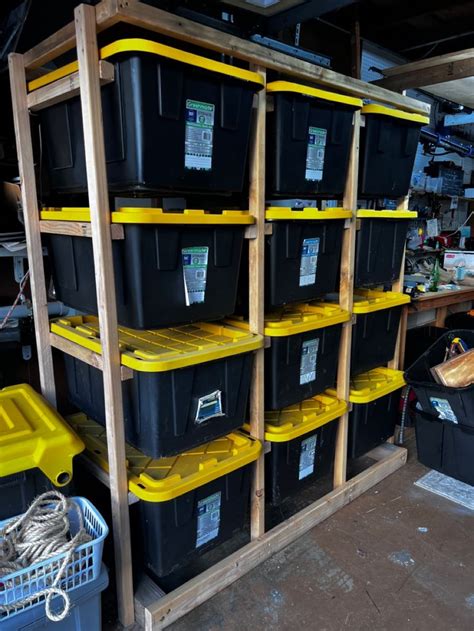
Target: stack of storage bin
x=308 y=148
x=191 y=501
x=174 y=122
x=36 y=449
x=389 y=141
x=444 y=416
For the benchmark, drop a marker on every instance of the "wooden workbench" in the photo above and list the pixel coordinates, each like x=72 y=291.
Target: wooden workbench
x=438 y=301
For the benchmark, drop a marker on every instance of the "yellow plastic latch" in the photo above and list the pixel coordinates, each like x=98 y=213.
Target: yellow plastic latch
x=301 y=418
x=287 y=86
x=374 y=384
x=394 y=113
x=135 y=215
x=282 y=213
x=370 y=300
x=160 y=350
x=364 y=213
x=296 y=318
x=33 y=434
x=138 y=45
x=167 y=478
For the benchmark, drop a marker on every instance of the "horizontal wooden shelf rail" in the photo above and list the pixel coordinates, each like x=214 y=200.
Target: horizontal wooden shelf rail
x=77 y=229
x=65 y=88
x=84 y=354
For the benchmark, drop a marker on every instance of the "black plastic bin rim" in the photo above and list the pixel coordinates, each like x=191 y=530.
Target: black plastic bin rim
x=139 y=45
x=394 y=113
x=138 y=215
x=324 y=95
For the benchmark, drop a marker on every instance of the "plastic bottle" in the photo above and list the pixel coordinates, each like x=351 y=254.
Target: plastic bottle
x=434 y=280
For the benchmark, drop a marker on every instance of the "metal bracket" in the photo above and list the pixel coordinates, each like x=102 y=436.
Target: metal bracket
x=19 y=268
x=347 y=223
x=267 y=341
x=267 y=446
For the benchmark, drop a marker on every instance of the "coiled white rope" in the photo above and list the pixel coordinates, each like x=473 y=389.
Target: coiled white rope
x=40 y=533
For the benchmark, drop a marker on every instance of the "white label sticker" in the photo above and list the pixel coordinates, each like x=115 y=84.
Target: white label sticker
x=209 y=406
x=307 y=455
x=309 y=355
x=315 y=154
x=208 y=519
x=309 y=261
x=199 y=135
x=445 y=411
x=195 y=274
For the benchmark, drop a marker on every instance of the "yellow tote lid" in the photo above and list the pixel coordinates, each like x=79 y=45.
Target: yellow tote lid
x=160 y=350
x=153 y=216
x=287 y=86
x=365 y=213
x=296 y=318
x=374 y=384
x=275 y=213
x=167 y=478
x=390 y=111
x=138 y=45
x=301 y=418
x=370 y=300
x=33 y=434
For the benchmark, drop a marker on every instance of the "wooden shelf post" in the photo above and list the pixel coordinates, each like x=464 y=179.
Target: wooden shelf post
x=89 y=81
x=256 y=305
x=29 y=200
x=346 y=289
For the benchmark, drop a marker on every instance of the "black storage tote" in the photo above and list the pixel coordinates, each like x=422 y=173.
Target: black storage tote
x=389 y=141
x=190 y=503
x=308 y=140
x=37 y=448
x=374 y=335
x=380 y=244
x=190 y=383
x=444 y=445
x=303 y=254
x=452 y=404
x=303 y=444
x=172 y=120
x=170 y=267
x=303 y=355
x=375 y=398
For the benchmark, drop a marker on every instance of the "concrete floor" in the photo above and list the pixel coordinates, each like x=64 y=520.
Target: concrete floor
x=398 y=558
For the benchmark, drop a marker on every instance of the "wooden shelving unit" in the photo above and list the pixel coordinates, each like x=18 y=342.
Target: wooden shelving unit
x=145 y=603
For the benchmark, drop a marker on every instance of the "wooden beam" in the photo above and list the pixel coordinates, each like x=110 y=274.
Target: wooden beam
x=151 y=18
x=398 y=285
x=430 y=62
x=77 y=229
x=110 y=12
x=91 y=103
x=21 y=119
x=430 y=75
x=65 y=88
x=169 y=608
x=256 y=305
x=64 y=39
x=85 y=355
x=346 y=290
